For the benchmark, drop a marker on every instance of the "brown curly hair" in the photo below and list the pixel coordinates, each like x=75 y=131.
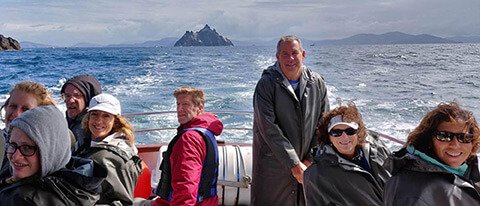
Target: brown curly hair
x=349 y=113
x=421 y=137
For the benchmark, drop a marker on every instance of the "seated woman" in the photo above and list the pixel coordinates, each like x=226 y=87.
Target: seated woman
x=112 y=147
x=438 y=165
x=347 y=169
x=23 y=96
x=42 y=171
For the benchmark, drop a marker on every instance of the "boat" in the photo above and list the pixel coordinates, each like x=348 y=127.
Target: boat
x=235 y=168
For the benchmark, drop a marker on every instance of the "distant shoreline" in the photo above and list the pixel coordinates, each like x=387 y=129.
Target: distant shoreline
x=359 y=39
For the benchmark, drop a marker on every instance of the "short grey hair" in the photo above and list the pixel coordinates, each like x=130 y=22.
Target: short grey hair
x=288 y=38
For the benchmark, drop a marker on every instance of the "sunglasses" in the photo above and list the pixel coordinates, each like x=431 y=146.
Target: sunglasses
x=338 y=132
x=26 y=150
x=448 y=137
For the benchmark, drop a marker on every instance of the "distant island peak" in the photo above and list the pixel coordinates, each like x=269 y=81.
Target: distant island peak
x=205 y=37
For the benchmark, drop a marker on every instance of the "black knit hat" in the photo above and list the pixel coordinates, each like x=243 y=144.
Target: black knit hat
x=88 y=85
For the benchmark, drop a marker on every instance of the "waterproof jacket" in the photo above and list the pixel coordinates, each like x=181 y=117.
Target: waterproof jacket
x=283 y=133
x=186 y=159
x=79 y=183
x=208 y=179
x=123 y=166
x=82 y=138
x=418 y=182
x=4 y=165
x=2 y=149
x=334 y=180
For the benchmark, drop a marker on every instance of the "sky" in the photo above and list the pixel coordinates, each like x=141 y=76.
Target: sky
x=65 y=23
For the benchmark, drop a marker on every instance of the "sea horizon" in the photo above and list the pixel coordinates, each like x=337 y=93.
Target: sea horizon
x=393 y=85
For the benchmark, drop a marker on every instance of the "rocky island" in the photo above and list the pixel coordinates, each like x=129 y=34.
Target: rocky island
x=204 y=37
x=8 y=43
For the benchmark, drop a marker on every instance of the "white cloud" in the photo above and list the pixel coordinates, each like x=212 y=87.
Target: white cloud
x=119 y=21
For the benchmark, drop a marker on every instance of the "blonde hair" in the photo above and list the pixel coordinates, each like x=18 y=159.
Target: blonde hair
x=121 y=124
x=41 y=93
x=198 y=97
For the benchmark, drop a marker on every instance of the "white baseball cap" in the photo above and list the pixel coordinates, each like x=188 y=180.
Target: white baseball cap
x=337 y=120
x=105 y=102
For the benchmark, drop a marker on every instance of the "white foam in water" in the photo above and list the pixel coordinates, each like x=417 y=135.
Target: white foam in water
x=386 y=105
x=263 y=62
x=393 y=85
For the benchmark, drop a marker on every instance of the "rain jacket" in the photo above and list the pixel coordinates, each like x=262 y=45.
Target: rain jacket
x=3 y=156
x=334 y=180
x=123 y=166
x=82 y=138
x=418 y=182
x=283 y=133
x=5 y=170
x=76 y=184
x=186 y=162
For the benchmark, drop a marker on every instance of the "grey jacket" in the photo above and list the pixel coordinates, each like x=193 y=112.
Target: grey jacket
x=123 y=166
x=418 y=182
x=82 y=138
x=334 y=180
x=284 y=128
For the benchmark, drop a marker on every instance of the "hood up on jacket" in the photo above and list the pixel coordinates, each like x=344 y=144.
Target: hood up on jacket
x=46 y=126
x=88 y=85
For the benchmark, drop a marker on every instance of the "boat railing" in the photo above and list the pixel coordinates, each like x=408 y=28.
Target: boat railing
x=234 y=112
x=235 y=158
x=238 y=112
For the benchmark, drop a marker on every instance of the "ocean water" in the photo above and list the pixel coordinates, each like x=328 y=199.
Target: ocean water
x=393 y=85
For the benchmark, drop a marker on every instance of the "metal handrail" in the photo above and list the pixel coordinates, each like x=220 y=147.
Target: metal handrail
x=239 y=112
x=174 y=128
x=172 y=112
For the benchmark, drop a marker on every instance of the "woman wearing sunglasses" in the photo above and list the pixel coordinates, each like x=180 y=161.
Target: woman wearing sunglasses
x=438 y=165
x=347 y=168
x=43 y=172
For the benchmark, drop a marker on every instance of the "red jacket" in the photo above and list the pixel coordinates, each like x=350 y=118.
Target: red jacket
x=186 y=162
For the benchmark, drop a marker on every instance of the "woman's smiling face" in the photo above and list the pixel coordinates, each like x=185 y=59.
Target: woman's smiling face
x=100 y=124
x=22 y=166
x=453 y=153
x=345 y=144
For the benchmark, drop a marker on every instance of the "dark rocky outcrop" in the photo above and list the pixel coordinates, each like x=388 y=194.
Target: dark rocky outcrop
x=8 y=43
x=204 y=37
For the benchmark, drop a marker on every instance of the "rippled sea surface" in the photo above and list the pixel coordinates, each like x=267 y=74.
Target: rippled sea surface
x=393 y=85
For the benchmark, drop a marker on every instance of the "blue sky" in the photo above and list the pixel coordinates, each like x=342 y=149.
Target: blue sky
x=68 y=22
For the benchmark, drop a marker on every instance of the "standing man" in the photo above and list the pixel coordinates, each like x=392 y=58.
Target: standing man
x=76 y=93
x=190 y=164
x=288 y=102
